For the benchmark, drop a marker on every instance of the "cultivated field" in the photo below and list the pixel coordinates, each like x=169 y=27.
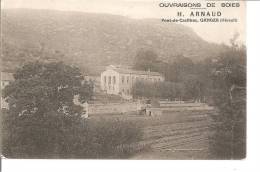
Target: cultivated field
x=173 y=135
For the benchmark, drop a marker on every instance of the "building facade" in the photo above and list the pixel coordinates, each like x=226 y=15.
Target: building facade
x=119 y=81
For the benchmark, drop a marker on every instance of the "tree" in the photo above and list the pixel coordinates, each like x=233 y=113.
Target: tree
x=42 y=116
x=163 y=90
x=146 y=60
x=179 y=68
x=194 y=87
x=42 y=88
x=229 y=95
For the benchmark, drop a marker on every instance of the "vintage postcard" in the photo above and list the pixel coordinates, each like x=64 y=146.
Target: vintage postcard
x=123 y=79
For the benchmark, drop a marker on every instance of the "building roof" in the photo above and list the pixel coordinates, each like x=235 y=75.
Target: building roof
x=5 y=76
x=136 y=72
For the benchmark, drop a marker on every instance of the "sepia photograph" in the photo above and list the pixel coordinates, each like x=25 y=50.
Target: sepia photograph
x=123 y=79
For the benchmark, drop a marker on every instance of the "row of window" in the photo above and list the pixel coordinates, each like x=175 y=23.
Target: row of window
x=149 y=79
x=109 y=78
x=124 y=79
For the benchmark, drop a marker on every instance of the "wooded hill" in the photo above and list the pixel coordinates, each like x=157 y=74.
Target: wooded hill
x=93 y=41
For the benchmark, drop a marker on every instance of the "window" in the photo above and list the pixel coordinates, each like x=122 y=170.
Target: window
x=105 y=79
x=127 y=80
x=109 y=80
x=123 y=79
x=114 y=80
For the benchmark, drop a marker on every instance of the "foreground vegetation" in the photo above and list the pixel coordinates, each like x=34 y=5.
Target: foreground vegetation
x=60 y=136
x=43 y=120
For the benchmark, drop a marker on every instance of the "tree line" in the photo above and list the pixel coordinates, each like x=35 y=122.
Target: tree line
x=184 y=79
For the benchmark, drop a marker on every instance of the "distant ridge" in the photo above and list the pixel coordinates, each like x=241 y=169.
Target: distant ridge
x=92 y=40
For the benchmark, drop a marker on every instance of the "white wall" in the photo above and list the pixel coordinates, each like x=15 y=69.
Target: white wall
x=123 y=88
x=105 y=86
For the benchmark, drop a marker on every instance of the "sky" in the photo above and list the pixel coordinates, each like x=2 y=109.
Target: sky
x=139 y=9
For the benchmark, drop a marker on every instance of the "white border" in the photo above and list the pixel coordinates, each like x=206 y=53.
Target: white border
x=251 y=163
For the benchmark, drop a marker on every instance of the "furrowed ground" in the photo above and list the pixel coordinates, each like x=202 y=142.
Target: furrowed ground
x=173 y=135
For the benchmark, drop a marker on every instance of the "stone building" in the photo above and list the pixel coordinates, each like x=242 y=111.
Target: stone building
x=119 y=81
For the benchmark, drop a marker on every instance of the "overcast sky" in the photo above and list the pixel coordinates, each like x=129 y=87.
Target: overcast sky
x=213 y=32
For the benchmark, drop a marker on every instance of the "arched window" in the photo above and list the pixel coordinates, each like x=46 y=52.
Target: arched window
x=105 y=79
x=109 y=80
x=114 y=80
x=123 y=79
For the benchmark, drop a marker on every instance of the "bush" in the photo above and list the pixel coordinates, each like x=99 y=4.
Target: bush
x=114 y=137
x=164 y=90
x=63 y=136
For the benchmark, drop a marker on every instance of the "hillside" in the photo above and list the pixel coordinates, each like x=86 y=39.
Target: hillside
x=94 y=40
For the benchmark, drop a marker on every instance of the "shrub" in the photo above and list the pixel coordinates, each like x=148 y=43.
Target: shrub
x=64 y=136
x=114 y=137
x=164 y=90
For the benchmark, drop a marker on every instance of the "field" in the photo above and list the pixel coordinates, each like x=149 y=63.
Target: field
x=173 y=135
